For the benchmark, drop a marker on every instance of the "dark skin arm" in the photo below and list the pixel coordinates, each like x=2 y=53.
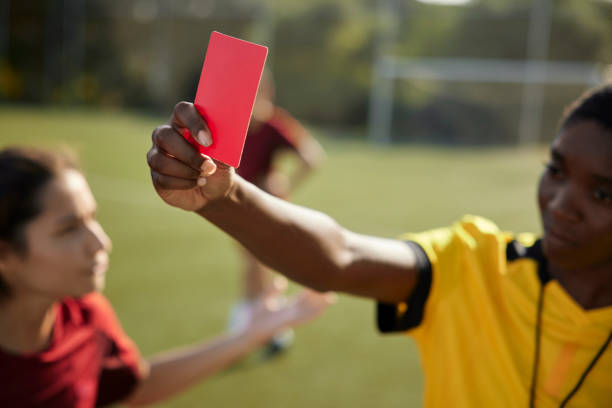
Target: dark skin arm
x=305 y=245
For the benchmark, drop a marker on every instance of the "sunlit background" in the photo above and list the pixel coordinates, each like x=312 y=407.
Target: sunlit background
x=427 y=109
x=449 y=71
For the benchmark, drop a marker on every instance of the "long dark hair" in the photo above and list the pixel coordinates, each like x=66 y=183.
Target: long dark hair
x=23 y=174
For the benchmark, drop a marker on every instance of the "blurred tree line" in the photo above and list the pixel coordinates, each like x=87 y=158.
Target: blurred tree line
x=147 y=54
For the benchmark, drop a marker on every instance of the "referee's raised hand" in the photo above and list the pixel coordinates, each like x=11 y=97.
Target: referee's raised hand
x=182 y=176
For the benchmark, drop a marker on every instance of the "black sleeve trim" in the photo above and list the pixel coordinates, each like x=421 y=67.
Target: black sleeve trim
x=389 y=318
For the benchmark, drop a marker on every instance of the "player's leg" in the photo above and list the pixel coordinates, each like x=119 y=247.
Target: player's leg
x=257 y=278
x=258 y=281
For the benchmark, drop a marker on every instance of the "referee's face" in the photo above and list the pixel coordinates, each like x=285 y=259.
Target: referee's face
x=575 y=197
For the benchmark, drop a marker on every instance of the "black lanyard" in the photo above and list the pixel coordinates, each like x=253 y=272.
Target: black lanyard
x=536 y=357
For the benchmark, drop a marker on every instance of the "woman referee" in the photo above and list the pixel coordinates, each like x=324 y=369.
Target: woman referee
x=500 y=319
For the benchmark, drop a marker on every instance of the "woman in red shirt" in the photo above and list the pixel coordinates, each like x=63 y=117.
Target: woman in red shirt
x=60 y=341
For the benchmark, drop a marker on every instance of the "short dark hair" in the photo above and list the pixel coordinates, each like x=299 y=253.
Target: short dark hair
x=23 y=174
x=595 y=104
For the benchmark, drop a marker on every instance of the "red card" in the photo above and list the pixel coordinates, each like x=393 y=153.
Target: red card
x=226 y=93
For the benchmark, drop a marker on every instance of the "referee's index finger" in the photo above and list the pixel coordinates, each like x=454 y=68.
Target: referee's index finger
x=185 y=115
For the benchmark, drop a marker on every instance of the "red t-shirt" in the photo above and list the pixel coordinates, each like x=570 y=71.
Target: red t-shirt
x=89 y=362
x=263 y=142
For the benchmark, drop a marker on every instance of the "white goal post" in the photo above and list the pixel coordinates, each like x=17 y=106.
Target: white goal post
x=532 y=74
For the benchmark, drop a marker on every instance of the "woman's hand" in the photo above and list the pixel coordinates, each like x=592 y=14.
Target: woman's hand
x=274 y=312
x=175 y=370
x=182 y=176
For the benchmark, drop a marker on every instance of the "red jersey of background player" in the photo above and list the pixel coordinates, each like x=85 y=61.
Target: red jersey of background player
x=90 y=361
x=264 y=140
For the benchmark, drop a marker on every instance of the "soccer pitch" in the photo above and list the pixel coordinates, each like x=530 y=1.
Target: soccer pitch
x=173 y=277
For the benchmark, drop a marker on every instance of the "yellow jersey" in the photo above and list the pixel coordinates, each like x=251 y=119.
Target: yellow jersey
x=473 y=315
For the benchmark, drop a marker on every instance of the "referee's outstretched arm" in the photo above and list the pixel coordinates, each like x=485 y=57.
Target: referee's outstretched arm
x=304 y=245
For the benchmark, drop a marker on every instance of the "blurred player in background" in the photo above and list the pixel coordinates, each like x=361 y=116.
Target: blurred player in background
x=273 y=134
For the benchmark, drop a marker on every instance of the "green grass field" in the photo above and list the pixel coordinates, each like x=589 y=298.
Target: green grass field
x=173 y=277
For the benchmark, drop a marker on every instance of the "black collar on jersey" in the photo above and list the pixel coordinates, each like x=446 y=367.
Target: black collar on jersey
x=515 y=251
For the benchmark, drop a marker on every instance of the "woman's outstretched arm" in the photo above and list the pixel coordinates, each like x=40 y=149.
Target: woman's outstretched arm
x=304 y=245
